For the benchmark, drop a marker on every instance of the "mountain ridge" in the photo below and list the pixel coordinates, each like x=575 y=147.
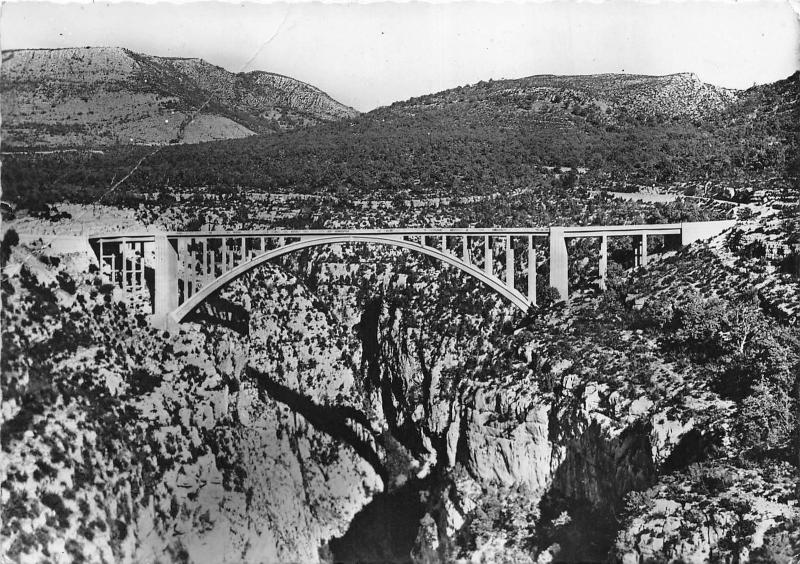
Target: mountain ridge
x=488 y=137
x=604 y=97
x=94 y=96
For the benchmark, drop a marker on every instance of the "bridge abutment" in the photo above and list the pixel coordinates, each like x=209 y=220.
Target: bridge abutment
x=697 y=230
x=602 y=267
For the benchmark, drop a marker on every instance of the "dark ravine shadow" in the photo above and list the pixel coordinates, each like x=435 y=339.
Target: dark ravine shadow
x=384 y=531
x=590 y=485
x=378 y=370
x=330 y=419
x=386 y=528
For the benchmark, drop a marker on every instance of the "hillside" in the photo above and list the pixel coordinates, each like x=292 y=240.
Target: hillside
x=100 y=96
x=604 y=98
x=492 y=136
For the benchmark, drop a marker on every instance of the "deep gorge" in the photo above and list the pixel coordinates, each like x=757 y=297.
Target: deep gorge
x=438 y=445
x=374 y=417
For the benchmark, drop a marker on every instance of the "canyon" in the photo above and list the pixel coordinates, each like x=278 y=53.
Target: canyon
x=331 y=408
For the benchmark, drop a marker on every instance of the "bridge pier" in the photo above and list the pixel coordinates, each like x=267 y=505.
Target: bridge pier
x=488 y=265
x=531 y=271
x=166 y=282
x=640 y=250
x=509 y=263
x=559 y=278
x=603 y=266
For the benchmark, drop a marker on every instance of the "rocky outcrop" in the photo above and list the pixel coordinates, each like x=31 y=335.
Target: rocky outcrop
x=260 y=92
x=715 y=512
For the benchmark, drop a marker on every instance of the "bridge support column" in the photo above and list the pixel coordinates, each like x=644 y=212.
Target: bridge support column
x=123 y=257
x=644 y=249
x=509 y=263
x=531 y=271
x=603 y=267
x=166 y=282
x=640 y=250
x=559 y=278
x=488 y=258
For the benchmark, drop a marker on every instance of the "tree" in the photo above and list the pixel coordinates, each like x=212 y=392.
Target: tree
x=744 y=321
x=10 y=240
x=696 y=325
x=766 y=420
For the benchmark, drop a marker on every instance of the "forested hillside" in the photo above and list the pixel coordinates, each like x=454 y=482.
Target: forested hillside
x=471 y=140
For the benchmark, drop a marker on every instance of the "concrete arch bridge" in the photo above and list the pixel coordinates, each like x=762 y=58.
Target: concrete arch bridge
x=180 y=270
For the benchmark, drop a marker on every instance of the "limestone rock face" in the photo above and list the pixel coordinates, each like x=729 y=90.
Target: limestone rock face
x=508 y=452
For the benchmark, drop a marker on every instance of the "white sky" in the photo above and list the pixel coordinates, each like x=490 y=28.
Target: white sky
x=368 y=55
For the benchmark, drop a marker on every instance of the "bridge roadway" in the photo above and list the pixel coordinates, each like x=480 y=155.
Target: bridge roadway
x=189 y=266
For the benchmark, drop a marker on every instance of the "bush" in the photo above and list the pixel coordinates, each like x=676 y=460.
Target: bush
x=66 y=282
x=550 y=296
x=696 y=326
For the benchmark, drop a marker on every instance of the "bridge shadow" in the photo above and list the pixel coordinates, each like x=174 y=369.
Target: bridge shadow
x=330 y=419
x=217 y=310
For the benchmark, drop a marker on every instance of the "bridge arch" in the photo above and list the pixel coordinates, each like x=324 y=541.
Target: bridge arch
x=511 y=294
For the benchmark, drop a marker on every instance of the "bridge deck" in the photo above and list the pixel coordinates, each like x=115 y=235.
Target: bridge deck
x=573 y=231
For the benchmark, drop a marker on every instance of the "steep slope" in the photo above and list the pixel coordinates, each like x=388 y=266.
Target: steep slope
x=109 y=95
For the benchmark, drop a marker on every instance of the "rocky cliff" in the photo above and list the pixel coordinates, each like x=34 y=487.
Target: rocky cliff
x=99 y=96
x=389 y=411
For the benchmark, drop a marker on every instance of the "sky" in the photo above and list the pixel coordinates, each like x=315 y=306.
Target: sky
x=371 y=54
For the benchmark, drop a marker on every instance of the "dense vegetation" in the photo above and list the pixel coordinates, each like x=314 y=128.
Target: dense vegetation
x=476 y=139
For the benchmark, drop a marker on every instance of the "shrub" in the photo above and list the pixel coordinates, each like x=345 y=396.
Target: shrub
x=696 y=326
x=56 y=503
x=778 y=545
x=550 y=296
x=638 y=503
x=66 y=282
